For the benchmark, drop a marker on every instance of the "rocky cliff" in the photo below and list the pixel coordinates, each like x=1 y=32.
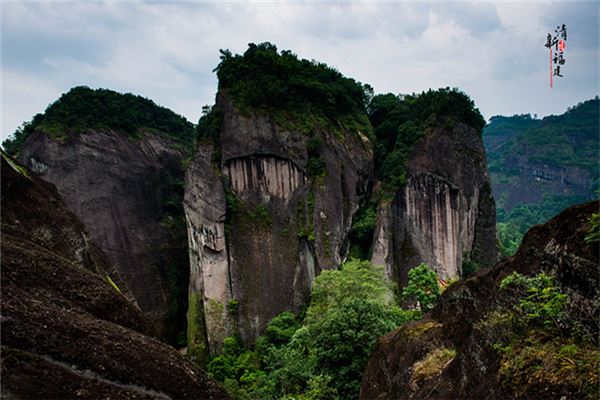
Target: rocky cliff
x=67 y=330
x=120 y=190
x=444 y=213
x=126 y=186
x=486 y=340
x=260 y=225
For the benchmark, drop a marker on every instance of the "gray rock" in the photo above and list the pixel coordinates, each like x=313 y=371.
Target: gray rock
x=118 y=188
x=444 y=211
x=277 y=240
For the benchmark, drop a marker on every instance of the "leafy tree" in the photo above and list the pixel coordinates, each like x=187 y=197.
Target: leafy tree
x=540 y=299
x=321 y=358
x=510 y=238
x=281 y=329
x=423 y=286
x=344 y=339
x=355 y=279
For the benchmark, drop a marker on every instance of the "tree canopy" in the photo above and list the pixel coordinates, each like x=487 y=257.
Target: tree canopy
x=307 y=92
x=83 y=108
x=400 y=122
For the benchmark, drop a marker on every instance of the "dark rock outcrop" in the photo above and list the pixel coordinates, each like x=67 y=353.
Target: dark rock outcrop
x=67 y=331
x=444 y=212
x=457 y=324
x=122 y=189
x=283 y=225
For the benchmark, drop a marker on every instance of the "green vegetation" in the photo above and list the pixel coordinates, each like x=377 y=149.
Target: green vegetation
x=296 y=93
x=541 y=301
x=15 y=165
x=510 y=237
x=361 y=232
x=208 y=131
x=322 y=355
x=567 y=140
x=542 y=342
x=83 y=108
x=113 y=284
x=173 y=263
x=433 y=363
x=468 y=265
x=315 y=166
x=593 y=229
x=423 y=286
x=400 y=122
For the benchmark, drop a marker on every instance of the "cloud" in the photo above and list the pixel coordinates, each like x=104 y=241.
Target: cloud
x=167 y=51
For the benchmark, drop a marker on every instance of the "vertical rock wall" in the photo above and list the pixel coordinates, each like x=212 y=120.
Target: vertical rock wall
x=444 y=212
x=210 y=281
x=120 y=189
x=281 y=226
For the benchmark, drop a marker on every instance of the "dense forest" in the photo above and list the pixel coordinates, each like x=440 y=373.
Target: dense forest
x=570 y=140
x=82 y=108
x=321 y=353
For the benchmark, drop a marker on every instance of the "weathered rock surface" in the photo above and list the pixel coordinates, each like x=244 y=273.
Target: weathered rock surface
x=536 y=179
x=557 y=248
x=260 y=227
x=67 y=332
x=121 y=189
x=445 y=211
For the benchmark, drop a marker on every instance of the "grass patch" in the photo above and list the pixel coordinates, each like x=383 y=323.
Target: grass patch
x=433 y=363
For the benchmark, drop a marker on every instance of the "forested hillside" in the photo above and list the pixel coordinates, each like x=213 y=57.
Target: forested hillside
x=539 y=167
x=82 y=108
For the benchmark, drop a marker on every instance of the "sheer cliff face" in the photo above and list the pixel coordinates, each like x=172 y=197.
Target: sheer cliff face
x=443 y=213
x=67 y=330
x=120 y=189
x=260 y=228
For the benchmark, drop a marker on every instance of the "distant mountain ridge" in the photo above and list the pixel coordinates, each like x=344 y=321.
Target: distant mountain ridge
x=538 y=167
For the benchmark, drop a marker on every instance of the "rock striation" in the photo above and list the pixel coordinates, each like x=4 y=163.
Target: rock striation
x=444 y=213
x=67 y=330
x=467 y=321
x=260 y=227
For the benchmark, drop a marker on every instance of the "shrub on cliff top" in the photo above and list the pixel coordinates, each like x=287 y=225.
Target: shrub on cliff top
x=305 y=92
x=400 y=122
x=83 y=108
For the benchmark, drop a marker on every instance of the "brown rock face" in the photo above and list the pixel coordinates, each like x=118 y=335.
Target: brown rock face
x=458 y=323
x=121 y=189
x=67 y=332
x=445 y=211
x=260 y=227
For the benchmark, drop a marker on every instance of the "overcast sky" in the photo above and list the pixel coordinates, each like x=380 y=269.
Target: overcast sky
x=166 y=51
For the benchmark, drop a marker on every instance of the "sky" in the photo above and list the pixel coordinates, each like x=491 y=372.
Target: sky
x=166 y=51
